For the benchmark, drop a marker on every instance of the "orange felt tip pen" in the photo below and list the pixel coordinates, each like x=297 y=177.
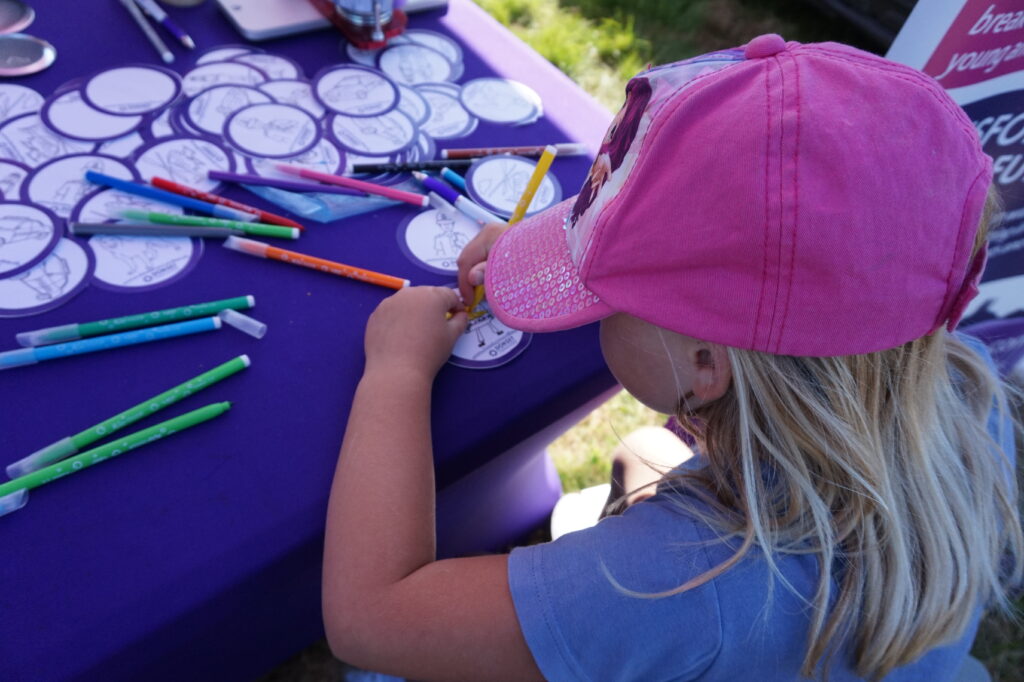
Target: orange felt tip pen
x=261 y=250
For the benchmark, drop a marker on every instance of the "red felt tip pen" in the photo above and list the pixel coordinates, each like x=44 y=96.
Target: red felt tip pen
x=185 y=191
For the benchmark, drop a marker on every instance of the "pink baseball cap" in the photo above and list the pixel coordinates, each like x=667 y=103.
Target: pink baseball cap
x=793 y=199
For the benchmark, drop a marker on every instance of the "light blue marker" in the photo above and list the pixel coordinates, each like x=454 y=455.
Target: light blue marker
x=29 y=356
x=166 y=197
x=454 y=178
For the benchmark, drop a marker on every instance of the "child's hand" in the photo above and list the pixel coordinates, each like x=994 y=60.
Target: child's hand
x=409 y=332
x=473 y=259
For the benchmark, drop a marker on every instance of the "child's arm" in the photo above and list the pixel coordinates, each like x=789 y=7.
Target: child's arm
x=388 y=605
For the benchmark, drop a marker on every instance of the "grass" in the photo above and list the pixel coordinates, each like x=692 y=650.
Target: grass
x=601 y=44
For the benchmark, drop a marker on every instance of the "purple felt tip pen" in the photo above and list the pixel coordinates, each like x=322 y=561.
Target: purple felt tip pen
x=160 y=16
x=460 y=202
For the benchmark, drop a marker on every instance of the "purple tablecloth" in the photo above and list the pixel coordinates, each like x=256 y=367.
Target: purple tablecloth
x=198 y=557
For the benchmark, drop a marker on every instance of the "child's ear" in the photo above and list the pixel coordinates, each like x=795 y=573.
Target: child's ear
x=714 y=372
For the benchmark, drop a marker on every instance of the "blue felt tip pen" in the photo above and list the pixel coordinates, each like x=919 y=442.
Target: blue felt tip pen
x=451 y=176
x=460 y=202
x=168 y=197
x=29 y=356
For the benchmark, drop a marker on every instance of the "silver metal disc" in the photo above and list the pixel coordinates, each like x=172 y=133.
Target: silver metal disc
x=22 y=54
x=15 y=16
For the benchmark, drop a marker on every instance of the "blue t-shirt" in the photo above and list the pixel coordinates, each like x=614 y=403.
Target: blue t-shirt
x=580 y=626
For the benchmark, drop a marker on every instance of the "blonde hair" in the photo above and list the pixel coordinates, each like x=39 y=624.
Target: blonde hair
x=883 y=466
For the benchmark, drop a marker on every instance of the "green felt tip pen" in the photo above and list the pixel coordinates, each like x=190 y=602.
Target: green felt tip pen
x=72 y=444
x=103 y=452
x=83 y=330
x=261 y=229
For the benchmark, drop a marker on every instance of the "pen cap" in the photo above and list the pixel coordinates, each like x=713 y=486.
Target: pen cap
x=13 y=502
x=249 y=246
x=17 y=358
x=243 y=323
x=53 y=452
x=43 y=337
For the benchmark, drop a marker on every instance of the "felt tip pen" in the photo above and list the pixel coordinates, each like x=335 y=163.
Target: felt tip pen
x=202 y=221
x=69 y=445
x=539 y=171
x=352 y=183
x=166 y=197
x=146 y=229
x=186 y=191
x=261 y=250
x=160 y=16
x=281 y=183
x=409 y=166
x=159 y=45
x=12 y=493
x=562 y=149
x=454 y=178
x=84 y=330
x=34 y=354
x=460 y=202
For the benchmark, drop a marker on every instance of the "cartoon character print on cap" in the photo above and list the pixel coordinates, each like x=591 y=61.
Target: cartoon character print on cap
x=645 y=93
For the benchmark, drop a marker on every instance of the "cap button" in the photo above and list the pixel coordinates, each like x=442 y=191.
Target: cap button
x=764 y=46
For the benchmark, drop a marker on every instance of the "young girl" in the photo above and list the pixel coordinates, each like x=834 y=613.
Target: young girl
x=779 y=258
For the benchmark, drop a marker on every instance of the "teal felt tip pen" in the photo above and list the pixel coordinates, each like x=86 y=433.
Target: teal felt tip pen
x=14 y=494
x=29 y=356
x=84 y=330
x=70 y=445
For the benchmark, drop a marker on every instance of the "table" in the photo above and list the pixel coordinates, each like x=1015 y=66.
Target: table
x=198 y=557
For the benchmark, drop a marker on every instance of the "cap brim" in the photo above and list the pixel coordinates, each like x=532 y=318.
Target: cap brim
x=532 y=283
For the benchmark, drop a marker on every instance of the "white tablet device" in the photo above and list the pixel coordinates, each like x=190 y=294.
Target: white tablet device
x=266 y=19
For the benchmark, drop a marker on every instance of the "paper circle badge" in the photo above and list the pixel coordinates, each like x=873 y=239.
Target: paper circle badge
x=275 y=66
x=136 y=263
x=71 y=116
x=272 y=130
x=412 y=104
x=136 y=89
x=497 y=184
x=413 y=63
x=11 y=176
x=438 y=41
x=488 y=343
x=501 y=100
x=16 y=100
x=296 y=92
x=60 y=184
x=448 y=118
x=208 y=110
x=27 y=234
x=374 y=135
x=27 y=140
x=225 y=52
x=122 y=147
x=355 y=91
x=48 y=284
x=184 y=160
x=219 y=73
x=434 y=239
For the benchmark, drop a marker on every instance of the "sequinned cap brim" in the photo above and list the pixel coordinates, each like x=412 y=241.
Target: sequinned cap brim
x=532 y=283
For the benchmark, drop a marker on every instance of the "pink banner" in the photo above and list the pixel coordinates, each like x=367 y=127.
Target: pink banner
x=985 y=41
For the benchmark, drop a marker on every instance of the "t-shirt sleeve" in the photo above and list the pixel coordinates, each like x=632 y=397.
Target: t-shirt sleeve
x=586 y=603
